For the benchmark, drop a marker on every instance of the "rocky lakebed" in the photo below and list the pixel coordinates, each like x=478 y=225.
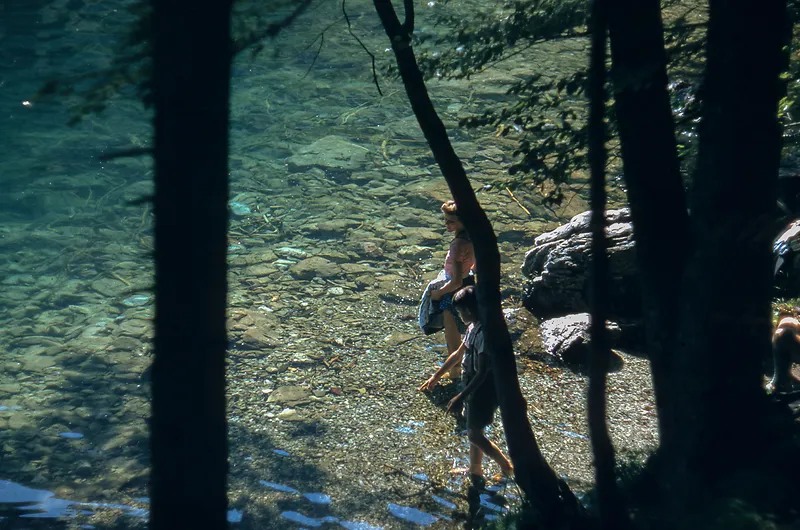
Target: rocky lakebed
x=326 y=424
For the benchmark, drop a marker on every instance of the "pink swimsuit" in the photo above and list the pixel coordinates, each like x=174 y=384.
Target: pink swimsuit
x=461 y=251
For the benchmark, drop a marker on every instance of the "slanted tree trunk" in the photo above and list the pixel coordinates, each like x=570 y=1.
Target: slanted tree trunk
x=726 y=324
x=191 y=88
x=655 y=188
x=612 y=509
x=547 y=492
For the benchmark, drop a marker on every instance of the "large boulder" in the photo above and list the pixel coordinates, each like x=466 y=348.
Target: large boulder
x=568 y=339
x=559 y=263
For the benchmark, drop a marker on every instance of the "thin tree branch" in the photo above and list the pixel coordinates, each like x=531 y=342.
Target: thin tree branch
x=374 y=70
x=273 y=29
x=408 y=24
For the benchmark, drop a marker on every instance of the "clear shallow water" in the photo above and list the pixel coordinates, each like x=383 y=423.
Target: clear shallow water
x=75 y=273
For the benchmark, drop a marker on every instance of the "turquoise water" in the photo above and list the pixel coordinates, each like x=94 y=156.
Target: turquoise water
x=334 y=230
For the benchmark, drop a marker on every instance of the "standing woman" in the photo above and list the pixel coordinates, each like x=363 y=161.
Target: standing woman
x=459 y=266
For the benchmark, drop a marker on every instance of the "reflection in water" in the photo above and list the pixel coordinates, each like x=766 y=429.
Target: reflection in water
x=572 y=434
x=485 y=500
x=349 y=525
x=278 y=487
x=317 y=498
x=44 y=504
x=444 y=502
x=412 y=514
x=73 y=435
x=299 y=518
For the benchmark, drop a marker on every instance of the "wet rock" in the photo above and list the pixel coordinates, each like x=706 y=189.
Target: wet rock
x=135 y=327
x=368 y=249
x=356 y=268
x=398 y=337
x=19 y=421
x=421 y=236
x=10 y=388
x=568 y=339
x=109 y=287
x=125 y=343
x=291 y=252
x=261 y=270
x=12 y=367
x=37 y=363
x=315 y=267
x=257 y=339
x=414 y=252
x=289 y=415
x=329 y=229
x=364 y=281
x=289 y=395
x=407 y=171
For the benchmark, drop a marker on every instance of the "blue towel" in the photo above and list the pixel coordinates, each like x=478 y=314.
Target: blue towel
x=430 y=315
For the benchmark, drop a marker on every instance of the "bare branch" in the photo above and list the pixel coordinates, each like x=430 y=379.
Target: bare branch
x=350 y=30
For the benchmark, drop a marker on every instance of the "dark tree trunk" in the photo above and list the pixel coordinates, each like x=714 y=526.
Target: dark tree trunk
x=547 y=492
x=727 y=318
x=655 y=187
x=191 y=89
x=612 y=509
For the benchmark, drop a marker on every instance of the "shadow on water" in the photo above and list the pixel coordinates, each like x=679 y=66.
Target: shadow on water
x=278 y=489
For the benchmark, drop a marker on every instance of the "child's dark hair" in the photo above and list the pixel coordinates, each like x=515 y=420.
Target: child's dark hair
x=466 y=300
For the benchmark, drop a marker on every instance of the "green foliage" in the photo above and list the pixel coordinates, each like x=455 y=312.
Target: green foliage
x=546 y=114
x=494 y=35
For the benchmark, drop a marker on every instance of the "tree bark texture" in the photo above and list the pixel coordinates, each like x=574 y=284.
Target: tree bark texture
x=726 y=324
x=547 y=492
x=191 y=92
x=655 y=188
x=612 y=509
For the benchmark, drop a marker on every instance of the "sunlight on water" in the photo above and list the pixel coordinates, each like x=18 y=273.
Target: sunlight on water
x=44 y=504
x=412 y=515
x=278 y=487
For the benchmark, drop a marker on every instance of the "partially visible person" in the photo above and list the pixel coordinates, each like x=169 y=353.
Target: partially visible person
x=785 y=350
x=786 y=251
x=479 y=393
x=459 y=267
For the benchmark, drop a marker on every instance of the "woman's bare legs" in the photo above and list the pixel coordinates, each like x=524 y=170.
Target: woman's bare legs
x=453 y=339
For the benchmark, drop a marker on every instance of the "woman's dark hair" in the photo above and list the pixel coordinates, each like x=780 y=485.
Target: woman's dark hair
x=467 y=300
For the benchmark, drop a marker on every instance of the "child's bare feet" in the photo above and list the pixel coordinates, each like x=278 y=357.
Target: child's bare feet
x=477 y=480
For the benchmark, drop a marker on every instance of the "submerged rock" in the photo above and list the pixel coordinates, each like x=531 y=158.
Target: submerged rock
x=330 y=152
x=315 y=267
x=289 y=395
